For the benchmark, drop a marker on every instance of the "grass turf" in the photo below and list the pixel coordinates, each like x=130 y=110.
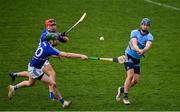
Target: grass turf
x=91 y=85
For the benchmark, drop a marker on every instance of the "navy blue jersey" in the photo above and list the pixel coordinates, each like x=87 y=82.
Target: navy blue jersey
x=42 y=54
x=43 y=35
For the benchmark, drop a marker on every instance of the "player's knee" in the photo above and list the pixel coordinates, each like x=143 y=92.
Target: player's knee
x=29 y=83
x=136 y=81
x=130 y=76
x=53 y=73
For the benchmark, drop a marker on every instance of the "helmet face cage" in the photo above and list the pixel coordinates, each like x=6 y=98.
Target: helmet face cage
x=146 y=21
x=50 y=22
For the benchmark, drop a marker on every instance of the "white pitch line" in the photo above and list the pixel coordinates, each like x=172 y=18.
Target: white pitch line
x=163 y=5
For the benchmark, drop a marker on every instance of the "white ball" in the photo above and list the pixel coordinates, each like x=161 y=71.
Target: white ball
x=101 y=38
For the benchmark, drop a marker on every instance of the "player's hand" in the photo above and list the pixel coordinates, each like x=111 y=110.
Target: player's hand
x=84 y=57
x=140 y=52
x=64 y=34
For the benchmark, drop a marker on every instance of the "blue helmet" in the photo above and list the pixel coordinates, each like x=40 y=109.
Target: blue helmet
x=146 y=21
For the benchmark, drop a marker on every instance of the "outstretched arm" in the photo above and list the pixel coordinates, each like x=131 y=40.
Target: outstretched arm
x=73 y=55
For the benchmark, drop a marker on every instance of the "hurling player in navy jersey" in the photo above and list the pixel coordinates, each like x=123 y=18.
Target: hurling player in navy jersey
x=50 y=27
x=35 y=67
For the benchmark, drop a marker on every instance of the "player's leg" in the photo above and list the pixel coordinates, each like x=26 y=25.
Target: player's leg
x=135 y=79
x=33 y=73
x=48 y=69
x=130 y=72
x=127 y=85
x=14 y=75
x=133 y=69
x=52 y=83
x=13 y=88
x=136 y=75
x=121 y=89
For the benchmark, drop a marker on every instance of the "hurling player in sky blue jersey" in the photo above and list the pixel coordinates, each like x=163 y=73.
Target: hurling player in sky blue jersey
x=35 y=70
x=140 y=42
x=50 y=27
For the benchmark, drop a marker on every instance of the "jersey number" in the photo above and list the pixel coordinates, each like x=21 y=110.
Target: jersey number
x=38 y=52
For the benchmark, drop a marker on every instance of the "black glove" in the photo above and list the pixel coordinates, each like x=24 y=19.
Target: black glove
x=64 y=34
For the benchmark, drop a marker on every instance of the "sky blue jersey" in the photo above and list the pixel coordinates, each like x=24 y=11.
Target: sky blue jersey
x=42 y=53
x=141 y=42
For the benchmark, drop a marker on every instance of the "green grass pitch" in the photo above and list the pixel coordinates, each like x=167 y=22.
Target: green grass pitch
x=91 y=85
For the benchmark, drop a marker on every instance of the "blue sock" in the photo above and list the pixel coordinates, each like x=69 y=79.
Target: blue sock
x=51 y=95
x=62 y=101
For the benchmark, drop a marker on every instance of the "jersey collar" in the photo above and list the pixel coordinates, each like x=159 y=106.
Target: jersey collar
x=143 y=34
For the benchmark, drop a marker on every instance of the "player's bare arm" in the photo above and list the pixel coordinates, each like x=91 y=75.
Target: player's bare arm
x=134 y=43
x=72 y=55
x=148 y=46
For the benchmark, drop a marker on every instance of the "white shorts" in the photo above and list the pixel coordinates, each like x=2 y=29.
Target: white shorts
x=35 y=73
x=45 y=63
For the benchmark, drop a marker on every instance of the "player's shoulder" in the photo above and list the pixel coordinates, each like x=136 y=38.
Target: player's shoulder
x=150 y=35
x=44 y=30
x=43 y=35
x=135 y=31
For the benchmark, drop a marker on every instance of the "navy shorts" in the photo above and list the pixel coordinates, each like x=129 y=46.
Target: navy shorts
x=132 y=63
